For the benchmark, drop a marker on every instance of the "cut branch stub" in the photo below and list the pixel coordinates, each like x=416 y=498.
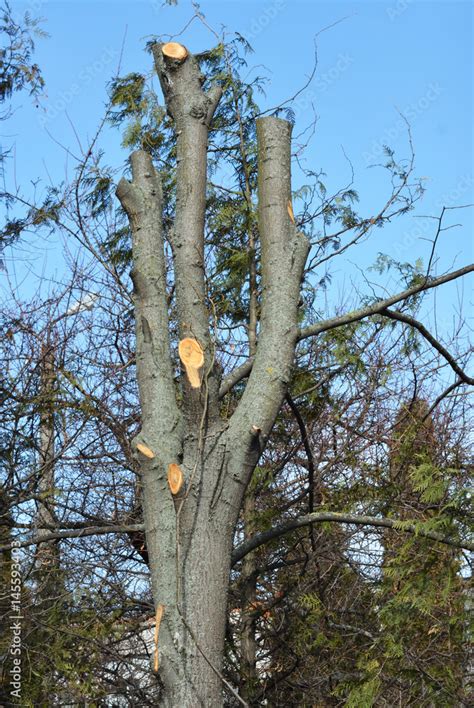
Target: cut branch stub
x=159 y=614
x=175 y=478
x=192 y=357
x=174 y=50
x=145 y=450
x=290 y=212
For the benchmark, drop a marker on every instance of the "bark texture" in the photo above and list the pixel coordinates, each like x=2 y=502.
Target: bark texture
x=47 y=553
x=189 y=536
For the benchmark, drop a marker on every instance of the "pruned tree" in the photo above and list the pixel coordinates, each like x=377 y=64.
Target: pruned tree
x=189 y=536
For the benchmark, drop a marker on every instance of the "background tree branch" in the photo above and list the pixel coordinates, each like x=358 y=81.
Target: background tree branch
x=326 y=516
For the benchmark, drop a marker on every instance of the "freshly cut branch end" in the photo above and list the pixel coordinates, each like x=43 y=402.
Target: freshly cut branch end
x=174 y=50
x=290 y=212
x=175 y=478
x=159 y=614
x=145 y=451
x=192 y=357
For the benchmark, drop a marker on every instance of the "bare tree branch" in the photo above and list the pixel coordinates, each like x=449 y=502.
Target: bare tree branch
x=308 y=451
x=73 y=533
x=443 y=395
x=377 y=307
x=320 y=517
x=241 y=372
x=407 y=319
x=356 y=315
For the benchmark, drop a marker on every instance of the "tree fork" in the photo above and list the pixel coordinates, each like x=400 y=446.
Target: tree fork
x=189 y=538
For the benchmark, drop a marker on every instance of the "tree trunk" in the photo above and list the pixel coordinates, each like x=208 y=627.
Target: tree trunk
x=47 y=553
x=248 y=642
x=190 y=533
x=190 y=563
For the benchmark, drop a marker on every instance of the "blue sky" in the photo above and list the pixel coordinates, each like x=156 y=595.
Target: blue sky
x=404 y=55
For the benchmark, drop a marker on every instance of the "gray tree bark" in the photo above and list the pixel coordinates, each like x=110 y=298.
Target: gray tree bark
x=189 y=536
x=47 y=552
